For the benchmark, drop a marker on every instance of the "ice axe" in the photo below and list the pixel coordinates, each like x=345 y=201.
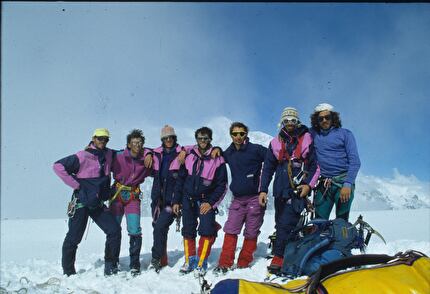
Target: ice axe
x=370 y=231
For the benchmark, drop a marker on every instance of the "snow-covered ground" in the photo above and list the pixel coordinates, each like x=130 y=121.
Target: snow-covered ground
x=31 y=252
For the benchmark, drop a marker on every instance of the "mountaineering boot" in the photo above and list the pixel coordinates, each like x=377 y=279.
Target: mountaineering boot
x=111 y=268
x=205 y=245
x=246 y=254
x=155 y=265
x=226 y=259
x=272 y=239
x=135 y=246
x=68 y=258
x=201 y=270
x=219 y=270
x=189 y=265
x=190 y=256
x=276 y=265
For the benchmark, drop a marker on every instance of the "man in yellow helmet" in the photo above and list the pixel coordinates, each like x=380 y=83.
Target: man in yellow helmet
x=88 y=173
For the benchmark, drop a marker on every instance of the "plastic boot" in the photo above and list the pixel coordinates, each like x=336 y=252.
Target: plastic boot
x=200 y=271
x=246 y=254
x=111 y=268
x=205 y=245
x=135 y=246
x=190 y=256
x=155 y=265
x=68 y=259
x=189 y=265
x=276 y=265
x=219 y=270
x=226 y=259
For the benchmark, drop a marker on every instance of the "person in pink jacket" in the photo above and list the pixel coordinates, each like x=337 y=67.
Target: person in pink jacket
x=129 y=171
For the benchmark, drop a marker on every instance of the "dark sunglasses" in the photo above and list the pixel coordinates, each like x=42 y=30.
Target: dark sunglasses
x=203 y=139
x=235 y=134
x=103 y=139
x=169 y=138
x=324 y=117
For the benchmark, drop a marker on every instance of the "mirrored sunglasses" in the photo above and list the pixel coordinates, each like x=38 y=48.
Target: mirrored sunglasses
x=292 y=121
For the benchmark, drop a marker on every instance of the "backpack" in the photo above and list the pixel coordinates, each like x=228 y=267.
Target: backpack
x=377 y=273
x=319 y=242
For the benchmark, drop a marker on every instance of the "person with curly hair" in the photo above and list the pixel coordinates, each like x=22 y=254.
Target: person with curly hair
x=338 y=160
x=130 y=168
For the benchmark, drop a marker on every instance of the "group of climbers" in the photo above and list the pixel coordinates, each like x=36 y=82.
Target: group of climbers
x=189 y=182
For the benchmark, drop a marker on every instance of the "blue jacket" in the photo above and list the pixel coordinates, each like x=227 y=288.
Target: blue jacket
x=164 y=179
x=276 y=163
x=245 y=166
x=202 y=178
x=337 y=153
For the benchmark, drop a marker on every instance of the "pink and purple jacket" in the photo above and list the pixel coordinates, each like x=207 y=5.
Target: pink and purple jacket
x=202 y=178
x=299 y=149
x=87 y=172
x=130 y=171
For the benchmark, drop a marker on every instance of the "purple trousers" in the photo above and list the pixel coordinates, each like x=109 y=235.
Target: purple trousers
x=245 y=210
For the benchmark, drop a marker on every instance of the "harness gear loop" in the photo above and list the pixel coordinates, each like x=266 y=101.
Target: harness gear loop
x=119 y=188
x=326 y=185
x=71 y=207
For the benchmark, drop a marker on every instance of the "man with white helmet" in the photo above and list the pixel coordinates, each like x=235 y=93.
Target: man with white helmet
x=338 y=160
x=291 y=157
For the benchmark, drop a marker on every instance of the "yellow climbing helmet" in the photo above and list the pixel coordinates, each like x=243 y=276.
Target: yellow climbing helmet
x=101 y=133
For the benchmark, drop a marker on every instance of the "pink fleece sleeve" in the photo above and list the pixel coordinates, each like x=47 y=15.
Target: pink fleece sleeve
x=67 y=179
x=314 y=179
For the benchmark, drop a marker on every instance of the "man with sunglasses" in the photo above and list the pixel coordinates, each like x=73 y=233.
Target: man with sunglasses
x=291 y=157
x=245 y=160
x=130 y=168
x=88 y=173
x=200 y=187
x=338 y=160
x=165 y=172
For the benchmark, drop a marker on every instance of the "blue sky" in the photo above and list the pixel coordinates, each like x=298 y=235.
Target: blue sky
x=68 y=68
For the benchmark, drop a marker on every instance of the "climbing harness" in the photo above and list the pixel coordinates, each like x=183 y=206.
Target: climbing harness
x=134 y=193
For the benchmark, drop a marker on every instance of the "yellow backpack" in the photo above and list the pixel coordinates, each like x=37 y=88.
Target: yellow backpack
x=407 y=272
